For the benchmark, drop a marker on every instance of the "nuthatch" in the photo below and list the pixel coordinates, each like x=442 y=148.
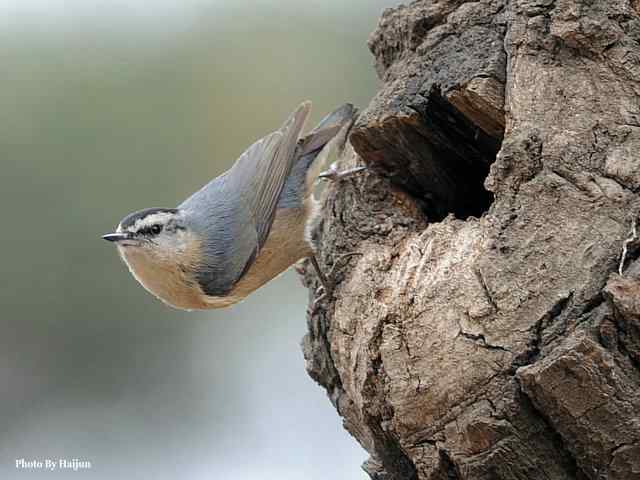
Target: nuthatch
x=241 y=229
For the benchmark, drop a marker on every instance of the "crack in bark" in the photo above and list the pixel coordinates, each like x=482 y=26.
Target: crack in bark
x=448 y=464
x=556 y=438
x=572 y=181
x=614 y=451
x=532 y=353
x=480 y=340
x=621 y=333
x=487 y=293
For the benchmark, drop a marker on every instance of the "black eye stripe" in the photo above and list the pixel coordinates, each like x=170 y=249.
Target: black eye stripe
x=151 y=230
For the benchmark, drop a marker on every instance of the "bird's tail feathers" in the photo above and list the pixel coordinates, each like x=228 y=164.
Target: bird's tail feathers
x=331 y=135
x=328 y=128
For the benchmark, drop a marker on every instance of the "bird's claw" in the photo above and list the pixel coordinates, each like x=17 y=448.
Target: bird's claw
x=315 y=305
x=334 y=175
x=327 y=282
x=336 y=264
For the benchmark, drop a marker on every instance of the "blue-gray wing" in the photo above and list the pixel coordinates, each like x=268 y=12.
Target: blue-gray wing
x=236 y=210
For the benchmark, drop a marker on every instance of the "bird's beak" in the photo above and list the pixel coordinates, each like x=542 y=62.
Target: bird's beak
x=116 y=237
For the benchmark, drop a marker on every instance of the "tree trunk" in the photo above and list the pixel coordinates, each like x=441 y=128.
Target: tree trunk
x=482 y=330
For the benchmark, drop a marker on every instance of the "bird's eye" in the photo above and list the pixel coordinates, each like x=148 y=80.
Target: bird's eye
x=156 y=229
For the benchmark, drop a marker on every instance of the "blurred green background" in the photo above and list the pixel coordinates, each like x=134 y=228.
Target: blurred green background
x=107 y=107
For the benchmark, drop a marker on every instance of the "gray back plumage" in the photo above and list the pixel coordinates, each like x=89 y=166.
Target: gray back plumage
x=233 y=213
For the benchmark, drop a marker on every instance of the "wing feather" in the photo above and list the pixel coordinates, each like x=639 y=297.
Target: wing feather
x=238 y=207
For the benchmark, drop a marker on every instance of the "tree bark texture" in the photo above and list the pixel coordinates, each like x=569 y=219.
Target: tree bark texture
x=482 y=331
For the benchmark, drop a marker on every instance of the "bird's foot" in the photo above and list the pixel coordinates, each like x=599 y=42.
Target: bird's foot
x=334 y=175
x=317 y=302
x=328 y=282
x=337 y=264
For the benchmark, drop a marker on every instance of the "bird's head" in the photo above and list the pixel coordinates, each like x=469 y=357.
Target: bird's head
x=166 y=253
x=159 y=236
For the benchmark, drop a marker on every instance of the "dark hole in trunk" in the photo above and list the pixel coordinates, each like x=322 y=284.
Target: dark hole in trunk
x=436 y=154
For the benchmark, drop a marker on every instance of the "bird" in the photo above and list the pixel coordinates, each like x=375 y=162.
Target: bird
x=244 y=227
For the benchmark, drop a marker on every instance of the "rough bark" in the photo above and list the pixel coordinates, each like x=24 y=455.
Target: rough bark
x=482 y=331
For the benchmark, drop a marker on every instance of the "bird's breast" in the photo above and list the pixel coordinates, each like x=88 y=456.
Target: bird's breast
x=170 y=282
